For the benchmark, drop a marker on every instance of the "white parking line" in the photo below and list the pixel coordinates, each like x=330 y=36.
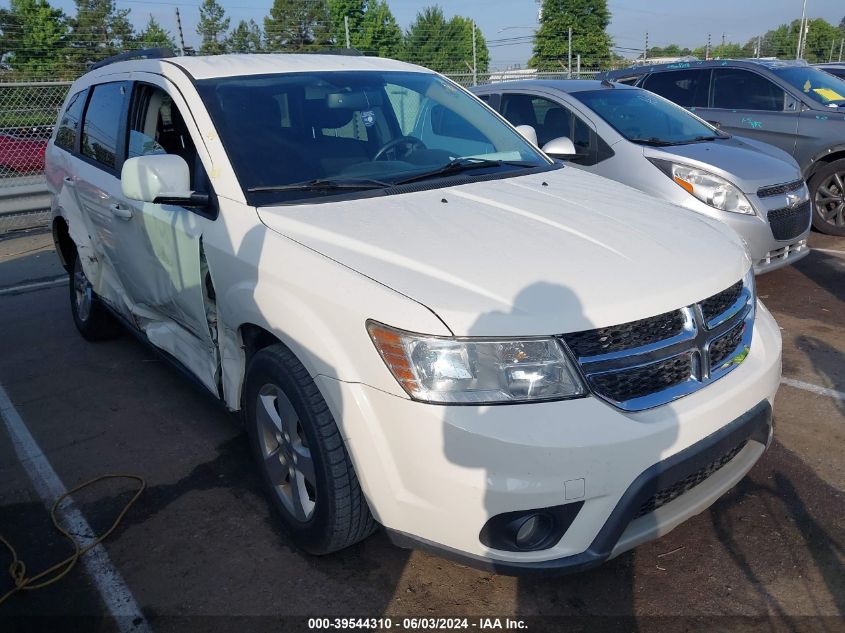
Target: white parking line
x=806 y=386
x=118 y=598
x=35 y=285
x=829 y=251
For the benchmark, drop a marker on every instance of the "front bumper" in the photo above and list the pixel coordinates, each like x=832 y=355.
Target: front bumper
x=434 y=475
x=767 y=253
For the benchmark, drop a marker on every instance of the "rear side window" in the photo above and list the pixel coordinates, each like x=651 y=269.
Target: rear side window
x=738 y=89
x=102 y=123
x=69 y=125
x=687 y=88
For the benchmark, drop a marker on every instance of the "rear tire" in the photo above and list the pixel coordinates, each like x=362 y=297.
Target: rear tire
x=307 y=473
x=92 y=318
x=827 y=190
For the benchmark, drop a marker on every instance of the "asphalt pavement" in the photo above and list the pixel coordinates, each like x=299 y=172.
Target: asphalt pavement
x=201 y=549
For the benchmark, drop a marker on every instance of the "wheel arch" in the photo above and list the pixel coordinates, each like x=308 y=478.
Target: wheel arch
x=65 y=246
x=819 y=161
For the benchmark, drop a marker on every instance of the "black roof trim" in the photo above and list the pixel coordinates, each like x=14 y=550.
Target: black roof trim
x=146 y=53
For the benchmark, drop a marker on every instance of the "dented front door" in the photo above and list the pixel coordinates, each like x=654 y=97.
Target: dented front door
x=160 y=257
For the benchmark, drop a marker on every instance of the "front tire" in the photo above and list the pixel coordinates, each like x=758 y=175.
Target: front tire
x=307 y=472
x=827 y=190
x=92 y=318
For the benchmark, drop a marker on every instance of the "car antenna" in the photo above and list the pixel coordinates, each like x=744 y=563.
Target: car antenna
x=607 y=84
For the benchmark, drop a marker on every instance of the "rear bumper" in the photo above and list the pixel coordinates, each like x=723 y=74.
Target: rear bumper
x=622 y=531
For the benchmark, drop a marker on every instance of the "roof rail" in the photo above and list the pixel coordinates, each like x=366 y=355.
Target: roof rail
x=146 y=53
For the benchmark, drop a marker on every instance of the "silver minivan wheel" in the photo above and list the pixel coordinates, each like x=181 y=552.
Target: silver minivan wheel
x=828 y=190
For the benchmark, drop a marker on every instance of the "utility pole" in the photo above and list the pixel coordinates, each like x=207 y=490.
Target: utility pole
x=830 y=59
x=759 y=45
x=841 y=42
x=181 y=36
x=346 y=28
x=707 y=50
x=474 y=58
x=801 y=32
x=722 y=50
x=578 y=67
x=569 y=65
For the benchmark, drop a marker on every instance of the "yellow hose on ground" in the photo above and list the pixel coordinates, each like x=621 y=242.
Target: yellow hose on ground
x=17 y=568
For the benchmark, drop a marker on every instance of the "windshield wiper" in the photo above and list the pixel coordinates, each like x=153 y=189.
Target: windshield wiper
x=653 y=141
x=325 y=184
x=458 y=165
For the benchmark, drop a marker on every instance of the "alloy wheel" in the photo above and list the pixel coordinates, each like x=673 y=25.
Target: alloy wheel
x=286 y=456
x=830 y=199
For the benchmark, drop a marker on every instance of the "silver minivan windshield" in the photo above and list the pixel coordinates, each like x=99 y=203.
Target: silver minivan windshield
x=312 y=134
x=643 y=117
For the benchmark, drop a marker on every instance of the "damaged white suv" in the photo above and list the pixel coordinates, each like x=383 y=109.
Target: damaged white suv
x=426 y=323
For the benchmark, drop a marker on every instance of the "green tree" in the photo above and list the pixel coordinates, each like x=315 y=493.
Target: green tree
x=298 y=25
x=212 y=27
x=378 y=33
x=460 y=34
x=246 y=37
x=821 y=36
x=37 y=34
x=98 y=30
x=587 y=18
x=444 y=46
x=354 y=10
x=155 y=35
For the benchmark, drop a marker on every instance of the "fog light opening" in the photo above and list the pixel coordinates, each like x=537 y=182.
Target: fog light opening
x=533 y=530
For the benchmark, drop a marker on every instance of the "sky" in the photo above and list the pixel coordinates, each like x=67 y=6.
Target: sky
x=666 y=21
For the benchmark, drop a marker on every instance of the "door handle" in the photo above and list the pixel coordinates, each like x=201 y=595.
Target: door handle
x=121 y=212
x=69 y=182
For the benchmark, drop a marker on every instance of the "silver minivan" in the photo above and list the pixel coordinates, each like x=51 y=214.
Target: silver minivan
x=643 y=140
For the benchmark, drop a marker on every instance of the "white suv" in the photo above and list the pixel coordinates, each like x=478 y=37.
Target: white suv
x=425 y=322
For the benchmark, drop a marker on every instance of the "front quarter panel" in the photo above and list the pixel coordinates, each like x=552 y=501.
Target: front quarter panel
x=313 y=304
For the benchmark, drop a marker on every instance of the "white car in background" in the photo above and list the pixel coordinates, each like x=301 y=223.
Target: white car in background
x=424 y=321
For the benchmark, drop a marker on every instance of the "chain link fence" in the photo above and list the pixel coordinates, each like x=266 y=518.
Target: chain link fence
x=28 y=113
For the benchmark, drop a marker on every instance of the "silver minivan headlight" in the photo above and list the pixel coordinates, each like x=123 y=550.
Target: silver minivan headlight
x=711 y=189
x=457 y=370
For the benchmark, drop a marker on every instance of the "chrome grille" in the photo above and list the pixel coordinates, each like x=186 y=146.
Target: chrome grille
x=626 y=336
x=649 y=362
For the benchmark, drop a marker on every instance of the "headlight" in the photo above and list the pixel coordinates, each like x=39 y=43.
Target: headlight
x=711 y=189
x=477 y=370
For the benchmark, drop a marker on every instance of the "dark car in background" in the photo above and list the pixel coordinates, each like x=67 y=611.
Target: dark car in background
x=790 y=104
x=834 y=68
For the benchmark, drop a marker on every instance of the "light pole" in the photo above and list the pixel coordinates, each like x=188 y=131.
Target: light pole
x=801 y=30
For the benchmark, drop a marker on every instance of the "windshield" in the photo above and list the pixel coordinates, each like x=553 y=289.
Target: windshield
x=308 y=135
x=820 y=86
x=643 y=117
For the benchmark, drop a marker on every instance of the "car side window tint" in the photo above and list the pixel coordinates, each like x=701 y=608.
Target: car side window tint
x=102 y=123
x=157 y=127
x=69 y=125
x=687 y=88
x=738 y=89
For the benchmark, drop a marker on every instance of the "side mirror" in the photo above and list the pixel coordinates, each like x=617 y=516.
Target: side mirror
x=561 y=147
x=528 y=133
x=160 y=179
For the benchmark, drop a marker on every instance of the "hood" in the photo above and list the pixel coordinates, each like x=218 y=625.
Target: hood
x=546 y=253
x=740 y=161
